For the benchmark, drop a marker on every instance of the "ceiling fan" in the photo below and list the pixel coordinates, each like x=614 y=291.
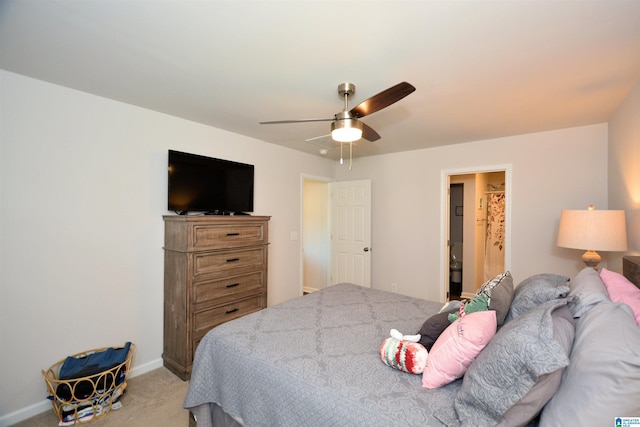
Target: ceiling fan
x=345 y=126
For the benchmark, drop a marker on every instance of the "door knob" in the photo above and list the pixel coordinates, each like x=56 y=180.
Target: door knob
x=366 y=249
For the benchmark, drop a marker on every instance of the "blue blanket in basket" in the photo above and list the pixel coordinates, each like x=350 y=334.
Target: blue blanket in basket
x=94 y=363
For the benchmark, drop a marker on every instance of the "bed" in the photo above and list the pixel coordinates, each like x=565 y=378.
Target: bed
x=316 y=360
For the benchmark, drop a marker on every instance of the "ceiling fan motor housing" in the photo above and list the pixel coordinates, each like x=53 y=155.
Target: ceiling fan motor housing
x=348 y=129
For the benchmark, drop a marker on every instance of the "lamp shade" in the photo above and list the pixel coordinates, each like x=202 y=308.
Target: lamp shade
x=591 y=229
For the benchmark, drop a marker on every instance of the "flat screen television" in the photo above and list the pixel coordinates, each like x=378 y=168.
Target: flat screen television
x=205 y=184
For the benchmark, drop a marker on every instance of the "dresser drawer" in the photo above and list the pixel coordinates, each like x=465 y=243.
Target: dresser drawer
x=224 y=236
x=205 y=320
x=187 y=233
x=227 y=289
x=221 y=264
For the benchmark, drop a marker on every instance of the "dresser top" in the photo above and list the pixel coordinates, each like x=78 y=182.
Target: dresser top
x=215 y=218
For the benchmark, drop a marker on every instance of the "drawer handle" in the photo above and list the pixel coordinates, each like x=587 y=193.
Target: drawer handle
x=233 y=234
x=233 y=310
x=233 y=285
x=233 y=260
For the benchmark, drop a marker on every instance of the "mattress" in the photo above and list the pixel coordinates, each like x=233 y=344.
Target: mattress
x=315 y=360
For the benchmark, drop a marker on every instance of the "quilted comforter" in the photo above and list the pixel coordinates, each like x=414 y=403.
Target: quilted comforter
x=315 y=361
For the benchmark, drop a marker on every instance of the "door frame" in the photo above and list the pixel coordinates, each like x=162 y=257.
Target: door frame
x=326 y=180
x=444 y=217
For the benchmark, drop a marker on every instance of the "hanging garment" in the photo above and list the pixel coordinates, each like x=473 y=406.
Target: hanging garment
x=494 y=243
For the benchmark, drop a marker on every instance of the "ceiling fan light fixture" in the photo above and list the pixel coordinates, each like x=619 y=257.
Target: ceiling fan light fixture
x=346 y=130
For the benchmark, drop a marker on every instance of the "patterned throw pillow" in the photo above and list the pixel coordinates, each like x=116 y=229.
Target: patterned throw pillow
x=405 y=356
x=478 y=303
x=499 y=291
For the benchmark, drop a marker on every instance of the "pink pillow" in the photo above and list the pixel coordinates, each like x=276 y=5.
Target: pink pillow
x=457 y=347
x=620 y=289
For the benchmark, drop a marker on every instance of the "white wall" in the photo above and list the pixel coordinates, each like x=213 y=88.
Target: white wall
x=624 y=170
x=551 y=171
x=82 y=192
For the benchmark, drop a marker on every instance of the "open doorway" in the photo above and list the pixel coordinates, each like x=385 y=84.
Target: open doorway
x=316 y=234
x=456 y=237
x=477 y=229
x=336 y=233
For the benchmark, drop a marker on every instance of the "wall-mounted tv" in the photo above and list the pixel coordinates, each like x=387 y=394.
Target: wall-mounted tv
x=205 y=184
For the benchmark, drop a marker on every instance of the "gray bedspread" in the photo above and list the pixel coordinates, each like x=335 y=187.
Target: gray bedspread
x=314 y=361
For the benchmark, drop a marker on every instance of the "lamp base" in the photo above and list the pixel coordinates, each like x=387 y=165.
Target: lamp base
x=591 y=259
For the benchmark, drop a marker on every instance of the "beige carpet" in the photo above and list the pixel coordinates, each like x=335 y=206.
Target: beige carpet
x=153 y=399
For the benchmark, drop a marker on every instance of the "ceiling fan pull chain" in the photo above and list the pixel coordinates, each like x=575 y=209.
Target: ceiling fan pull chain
x=350 y=154
x=341 y=153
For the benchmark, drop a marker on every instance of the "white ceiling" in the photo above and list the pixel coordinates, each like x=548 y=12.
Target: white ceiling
x=482 y=68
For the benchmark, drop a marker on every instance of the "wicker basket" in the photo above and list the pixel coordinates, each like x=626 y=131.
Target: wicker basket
x=80 y=400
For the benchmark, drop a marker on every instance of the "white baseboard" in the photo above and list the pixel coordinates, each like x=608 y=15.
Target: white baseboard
x=308 y=289
x=44 y=406
x=147 y=367
x=25 y=413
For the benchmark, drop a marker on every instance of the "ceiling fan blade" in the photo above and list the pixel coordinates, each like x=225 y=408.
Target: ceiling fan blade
x=318 y=137
x=383 y=99
x=324 y=141
x=368 y=133
x=278 y=122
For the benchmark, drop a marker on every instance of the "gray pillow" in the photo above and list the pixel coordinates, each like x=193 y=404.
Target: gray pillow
x=546 y=385
x=519 y=370
x=500 y=293
x=587 y=291
x=536 y=290
x=602 y=381
x=433 y=327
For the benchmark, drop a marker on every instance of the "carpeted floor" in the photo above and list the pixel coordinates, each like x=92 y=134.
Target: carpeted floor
x=153 y=399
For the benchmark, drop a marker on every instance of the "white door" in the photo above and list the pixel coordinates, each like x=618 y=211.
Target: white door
x=351 y=232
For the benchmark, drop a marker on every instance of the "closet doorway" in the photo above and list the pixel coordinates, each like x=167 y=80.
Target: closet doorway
x=316 y=234
x=476 y=229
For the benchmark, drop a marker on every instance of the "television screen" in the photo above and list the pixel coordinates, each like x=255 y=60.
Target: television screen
x=205 y=184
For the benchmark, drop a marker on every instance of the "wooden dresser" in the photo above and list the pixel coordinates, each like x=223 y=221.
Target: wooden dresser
x=215 y=270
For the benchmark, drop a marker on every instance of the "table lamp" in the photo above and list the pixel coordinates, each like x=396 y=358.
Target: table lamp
x=593 y=230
